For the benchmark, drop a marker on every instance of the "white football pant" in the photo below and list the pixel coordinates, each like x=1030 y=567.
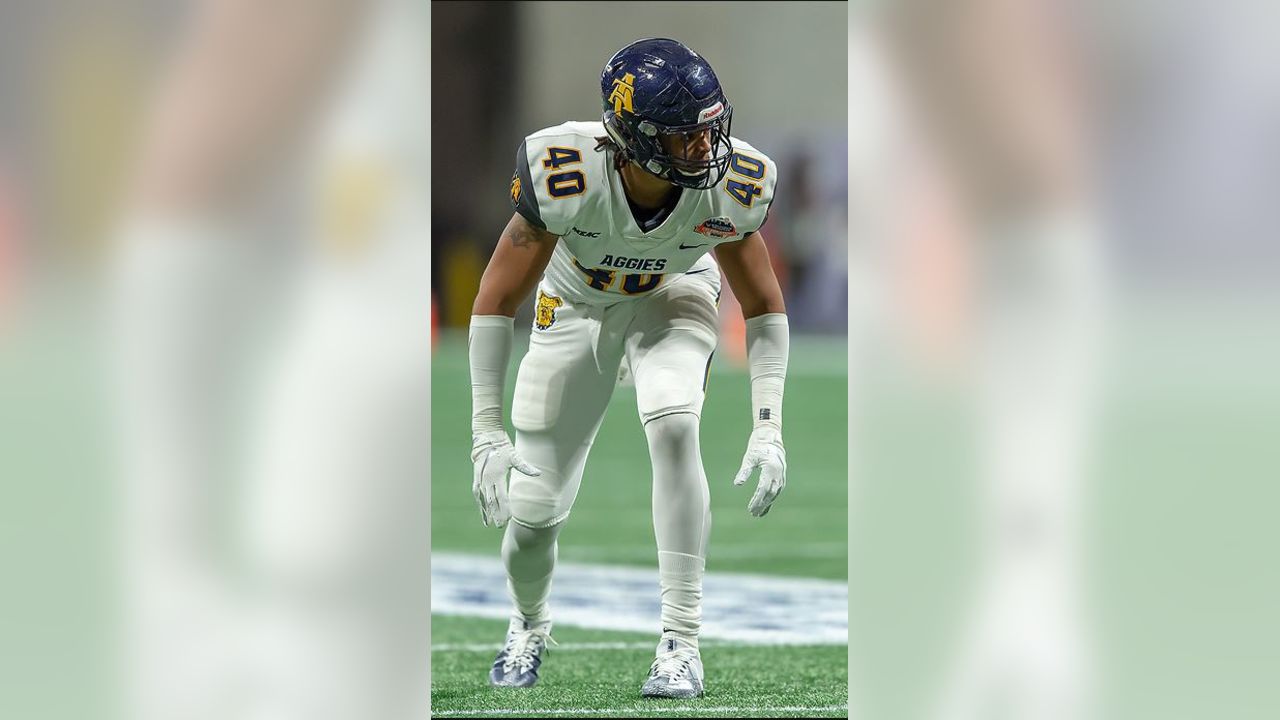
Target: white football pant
x=561 y=395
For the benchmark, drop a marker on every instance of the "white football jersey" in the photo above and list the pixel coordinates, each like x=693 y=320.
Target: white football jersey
x=563 y=184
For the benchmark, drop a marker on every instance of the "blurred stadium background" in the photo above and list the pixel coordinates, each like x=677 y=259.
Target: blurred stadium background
x=1182 y=491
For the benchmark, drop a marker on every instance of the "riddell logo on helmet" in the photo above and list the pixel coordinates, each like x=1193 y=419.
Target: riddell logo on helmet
x=711 y=112
x=623 y=88
x=720 y=227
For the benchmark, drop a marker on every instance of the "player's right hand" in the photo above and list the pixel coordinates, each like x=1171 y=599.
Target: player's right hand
x=493 y=455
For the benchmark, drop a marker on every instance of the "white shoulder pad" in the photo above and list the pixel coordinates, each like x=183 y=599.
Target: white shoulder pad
x=560 y=174
x=746 y=191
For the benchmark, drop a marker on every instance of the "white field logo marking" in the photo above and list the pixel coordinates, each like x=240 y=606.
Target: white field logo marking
x=756 y=609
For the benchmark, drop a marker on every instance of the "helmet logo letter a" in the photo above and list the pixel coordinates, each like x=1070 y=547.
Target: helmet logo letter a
x=621 y=95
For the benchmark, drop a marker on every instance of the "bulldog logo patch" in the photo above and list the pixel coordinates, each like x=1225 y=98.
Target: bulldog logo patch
x=545 y=314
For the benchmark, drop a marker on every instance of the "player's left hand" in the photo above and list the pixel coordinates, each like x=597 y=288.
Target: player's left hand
x=764 y=451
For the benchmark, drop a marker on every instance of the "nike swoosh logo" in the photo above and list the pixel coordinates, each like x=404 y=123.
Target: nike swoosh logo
x=695 y=272
x=690 y=247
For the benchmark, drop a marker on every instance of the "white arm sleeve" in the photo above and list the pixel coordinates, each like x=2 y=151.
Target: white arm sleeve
x=768 y=339
x=489 y=343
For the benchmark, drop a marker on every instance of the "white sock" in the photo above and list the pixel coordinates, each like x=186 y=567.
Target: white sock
x=680 y=577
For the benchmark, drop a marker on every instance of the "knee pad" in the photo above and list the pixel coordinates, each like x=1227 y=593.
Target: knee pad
x=672 y=436
x=673 y=381
x=520 y=537
x=534 y=501
x=675 y=384
x=676 y=456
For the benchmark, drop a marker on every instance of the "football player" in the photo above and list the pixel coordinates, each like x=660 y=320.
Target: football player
x=619 y=224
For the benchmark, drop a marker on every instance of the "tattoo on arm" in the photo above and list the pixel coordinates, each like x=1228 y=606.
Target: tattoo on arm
x=525 y=235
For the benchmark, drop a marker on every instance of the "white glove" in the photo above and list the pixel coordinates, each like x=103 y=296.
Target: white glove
x=493 y=455
x=764 y=451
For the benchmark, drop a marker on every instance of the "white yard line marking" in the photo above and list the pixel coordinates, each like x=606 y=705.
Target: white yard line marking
x=557 y=648
x=646 y=711
x=751 y=609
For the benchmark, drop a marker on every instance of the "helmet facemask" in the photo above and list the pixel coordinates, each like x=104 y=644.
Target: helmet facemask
x=642 y=140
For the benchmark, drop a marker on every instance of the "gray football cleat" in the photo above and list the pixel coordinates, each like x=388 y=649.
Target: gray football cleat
x=517 y=663
x=676 y=671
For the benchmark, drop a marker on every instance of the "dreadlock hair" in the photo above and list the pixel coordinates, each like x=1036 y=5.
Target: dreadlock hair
x=620 y=157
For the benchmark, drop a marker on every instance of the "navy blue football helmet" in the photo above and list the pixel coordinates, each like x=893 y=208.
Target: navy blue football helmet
x=657 y=88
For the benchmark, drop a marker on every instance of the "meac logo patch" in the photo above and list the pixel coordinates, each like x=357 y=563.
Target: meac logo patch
x=623 y=89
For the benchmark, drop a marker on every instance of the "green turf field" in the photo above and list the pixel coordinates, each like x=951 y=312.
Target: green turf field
x=804 y=535
x=595 y=673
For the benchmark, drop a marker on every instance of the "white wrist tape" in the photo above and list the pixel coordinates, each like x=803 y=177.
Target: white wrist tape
x=489 y=346
x=768 y=340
